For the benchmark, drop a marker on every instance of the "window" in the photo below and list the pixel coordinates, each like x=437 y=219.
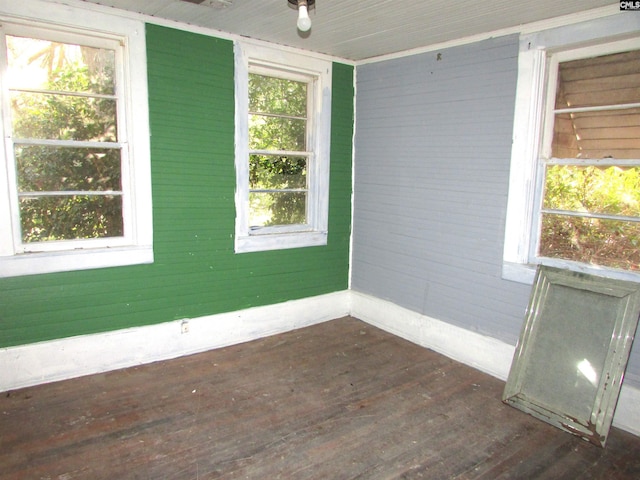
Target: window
x=282 y=149
x=574 y=198
x=78 y=191
x=66 y=150
x=590 y=208
x=278 y=155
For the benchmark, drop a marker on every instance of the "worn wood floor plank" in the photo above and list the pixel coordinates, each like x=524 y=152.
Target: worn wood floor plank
x=341 y=400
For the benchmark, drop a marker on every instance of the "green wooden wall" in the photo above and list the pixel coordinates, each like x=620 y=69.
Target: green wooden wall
x=196 y=272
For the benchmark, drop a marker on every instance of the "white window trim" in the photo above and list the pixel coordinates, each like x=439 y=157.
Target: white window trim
x=531 y=106
x=314 y=233
x=138 y=247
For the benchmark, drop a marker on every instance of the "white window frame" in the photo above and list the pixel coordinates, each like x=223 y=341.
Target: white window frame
x=538 y=56
x=285 y=64
x=70 y=24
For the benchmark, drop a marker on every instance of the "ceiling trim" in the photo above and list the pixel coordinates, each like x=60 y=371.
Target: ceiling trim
x=520 y=29
x=187 y=27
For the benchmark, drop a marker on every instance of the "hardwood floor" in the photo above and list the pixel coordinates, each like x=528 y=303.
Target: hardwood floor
x=340 y=400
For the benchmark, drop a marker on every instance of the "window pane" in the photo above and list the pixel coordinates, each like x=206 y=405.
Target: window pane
x=277 y=96
x=607 y=243
x=41 y=64
x=602 y=134
x=61 y=91
x=45 y=168
x=63 y=117
x=271 y=172
x=610 y=190
x=277 y=133
x=279 y=208
x=70 y=217
x=605 y=80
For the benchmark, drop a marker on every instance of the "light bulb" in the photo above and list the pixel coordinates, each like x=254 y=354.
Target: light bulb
x=304 y=22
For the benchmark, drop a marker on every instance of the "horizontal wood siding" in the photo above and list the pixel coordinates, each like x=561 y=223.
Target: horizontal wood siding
x=196 y=272
x=433 y=147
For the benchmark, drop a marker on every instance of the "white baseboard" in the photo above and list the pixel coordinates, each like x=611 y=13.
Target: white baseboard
x=484 y=353
x=44 y=362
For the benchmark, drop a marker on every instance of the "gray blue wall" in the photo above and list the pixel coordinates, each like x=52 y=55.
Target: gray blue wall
x=432 y=155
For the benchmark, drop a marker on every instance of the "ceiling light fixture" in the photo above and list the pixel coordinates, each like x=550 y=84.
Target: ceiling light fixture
x=303 y=6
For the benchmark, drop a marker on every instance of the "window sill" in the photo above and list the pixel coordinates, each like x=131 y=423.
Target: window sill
x=525 y=273
x=259 y=243
x=52 y=262
x=519 y=272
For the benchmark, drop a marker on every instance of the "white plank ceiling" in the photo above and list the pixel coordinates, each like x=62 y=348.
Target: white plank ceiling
x=361 y=29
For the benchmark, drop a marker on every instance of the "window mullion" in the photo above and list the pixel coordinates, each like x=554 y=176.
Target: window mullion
x=66 y=143
x=599 y=162
x=10 y=235
x=277 y=190
x=63 y=93
x=70 y=193
x=548 y=78
x=277 y=115
x=295 y=153
x=602 y=216
x=598 y=108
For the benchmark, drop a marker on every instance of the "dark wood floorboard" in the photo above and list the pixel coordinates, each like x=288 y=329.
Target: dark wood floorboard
x=340 y=400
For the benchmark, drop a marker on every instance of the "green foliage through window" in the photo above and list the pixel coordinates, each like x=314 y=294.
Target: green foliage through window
x=278 y=162
x=62 y=94
x=604 y=191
